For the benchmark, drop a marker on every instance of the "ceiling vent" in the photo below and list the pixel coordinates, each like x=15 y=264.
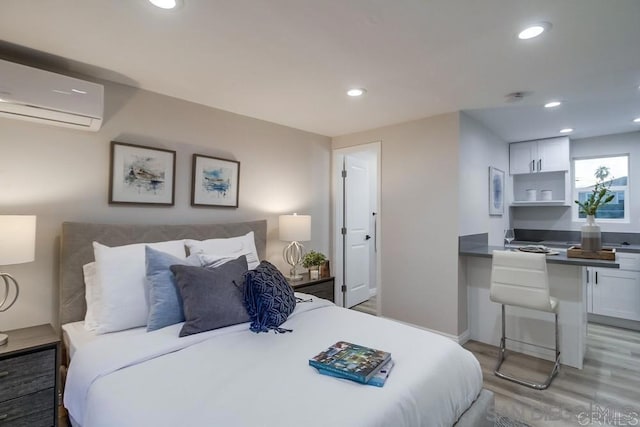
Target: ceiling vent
x=516 y=96
x=36 y=95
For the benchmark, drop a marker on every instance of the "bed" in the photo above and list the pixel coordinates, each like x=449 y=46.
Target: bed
x=233 y=377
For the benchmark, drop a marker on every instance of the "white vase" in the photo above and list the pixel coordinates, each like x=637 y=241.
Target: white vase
x=591 y=236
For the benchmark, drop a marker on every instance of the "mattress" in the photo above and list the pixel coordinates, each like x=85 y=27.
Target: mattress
x=75 y=336
x=236 y=378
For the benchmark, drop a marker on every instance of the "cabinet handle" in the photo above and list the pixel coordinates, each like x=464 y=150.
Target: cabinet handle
x=587 y=275
x=4 y=416
x=596 y=277
x=540 y=165
x=4 y=374
x=533 y=165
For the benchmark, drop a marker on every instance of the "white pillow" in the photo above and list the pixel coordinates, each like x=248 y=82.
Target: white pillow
x=121 y=282
x=231 y=247
x=214 y=261
x=91 y=295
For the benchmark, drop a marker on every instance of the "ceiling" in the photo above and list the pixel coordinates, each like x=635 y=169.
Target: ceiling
x=291 y=61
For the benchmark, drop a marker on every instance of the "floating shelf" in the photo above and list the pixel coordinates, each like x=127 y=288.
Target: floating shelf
x=540 y=203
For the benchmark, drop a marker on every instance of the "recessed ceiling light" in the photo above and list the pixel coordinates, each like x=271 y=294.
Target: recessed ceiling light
x=552 y=104
x=636 y=120
x=164 y=4
x=534 y=30
x=566 y=130
x=356 y=92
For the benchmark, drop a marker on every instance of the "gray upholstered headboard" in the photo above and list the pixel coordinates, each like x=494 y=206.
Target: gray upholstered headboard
x=77 y=249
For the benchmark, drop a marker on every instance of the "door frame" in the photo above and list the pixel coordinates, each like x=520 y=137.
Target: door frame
x=336 y=215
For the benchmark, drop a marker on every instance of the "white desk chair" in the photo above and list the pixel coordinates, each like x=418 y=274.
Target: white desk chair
x=521 y=279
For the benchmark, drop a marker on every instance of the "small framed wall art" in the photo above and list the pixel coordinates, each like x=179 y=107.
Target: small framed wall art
x=141 y=175
x=215 y=181
x=496 y=191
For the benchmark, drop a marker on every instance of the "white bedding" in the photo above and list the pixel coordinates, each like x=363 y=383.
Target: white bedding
x=233 y=377
x=75 y=336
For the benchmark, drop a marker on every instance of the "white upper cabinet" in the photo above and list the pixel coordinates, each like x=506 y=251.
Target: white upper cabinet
x=553 y=155
x=521 y=157
x=545 y=155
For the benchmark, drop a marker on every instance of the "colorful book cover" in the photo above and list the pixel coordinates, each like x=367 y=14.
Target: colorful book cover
x=377 y=380
x=352 y=361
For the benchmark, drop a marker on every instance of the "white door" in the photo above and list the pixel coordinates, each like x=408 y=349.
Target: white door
x=553 y=155
x=356 y=230
x=616 y=293
x=521 y=157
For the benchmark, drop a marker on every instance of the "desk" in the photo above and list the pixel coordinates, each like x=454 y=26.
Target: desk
x=566 y=284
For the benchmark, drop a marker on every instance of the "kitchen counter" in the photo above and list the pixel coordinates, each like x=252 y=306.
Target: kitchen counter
x=560 y=258
x=566 y=284
x=619 y=247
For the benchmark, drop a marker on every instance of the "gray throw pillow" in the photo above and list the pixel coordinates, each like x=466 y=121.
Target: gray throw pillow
x=212 y=298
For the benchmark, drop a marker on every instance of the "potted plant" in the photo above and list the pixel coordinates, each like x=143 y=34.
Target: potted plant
x=313 y=260
x=591 y=240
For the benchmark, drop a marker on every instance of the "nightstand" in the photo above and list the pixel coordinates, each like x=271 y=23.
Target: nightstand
x=322 y=287
x=28 y=377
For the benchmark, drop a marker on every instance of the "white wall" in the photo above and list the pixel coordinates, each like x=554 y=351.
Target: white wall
x=62 y=175
x=558 y=218
x=418 y=218
x=479 y=149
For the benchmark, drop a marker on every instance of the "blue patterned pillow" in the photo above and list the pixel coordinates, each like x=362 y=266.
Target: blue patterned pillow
x=268 y=297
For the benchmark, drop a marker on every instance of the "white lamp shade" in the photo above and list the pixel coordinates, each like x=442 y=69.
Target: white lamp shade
x=17 y=239
x=295 y=228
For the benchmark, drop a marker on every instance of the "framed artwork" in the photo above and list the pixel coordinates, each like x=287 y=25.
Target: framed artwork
x=141 y=175
x=215 y=181
x=496 y=191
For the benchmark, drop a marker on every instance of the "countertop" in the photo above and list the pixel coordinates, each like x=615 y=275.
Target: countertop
x=561 y=258
x=558 y=244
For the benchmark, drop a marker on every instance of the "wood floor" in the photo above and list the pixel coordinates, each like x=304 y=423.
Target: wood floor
x=605 y=392
x=369 y=306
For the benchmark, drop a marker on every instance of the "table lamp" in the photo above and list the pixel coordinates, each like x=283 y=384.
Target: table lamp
x=17 y=246
x=295 y=229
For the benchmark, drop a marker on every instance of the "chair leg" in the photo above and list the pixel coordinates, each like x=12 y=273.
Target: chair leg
x=502 y=356
x=503 y=345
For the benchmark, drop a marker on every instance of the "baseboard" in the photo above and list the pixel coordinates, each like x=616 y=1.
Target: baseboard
x=614 y=321
x=464 y=337
x=460 y=339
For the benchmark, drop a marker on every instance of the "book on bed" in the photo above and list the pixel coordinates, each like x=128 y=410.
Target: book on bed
x=351 y=361
x=377 y=380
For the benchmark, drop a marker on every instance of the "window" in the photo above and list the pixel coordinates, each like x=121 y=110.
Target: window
x=614 y=173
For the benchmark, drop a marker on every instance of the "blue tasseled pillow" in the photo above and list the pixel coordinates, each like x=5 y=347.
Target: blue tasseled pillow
x=268 y=297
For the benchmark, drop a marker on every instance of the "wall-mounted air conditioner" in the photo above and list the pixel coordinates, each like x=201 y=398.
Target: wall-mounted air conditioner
x=36 y=95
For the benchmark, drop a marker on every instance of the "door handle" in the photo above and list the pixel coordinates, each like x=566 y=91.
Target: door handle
x=367 y=237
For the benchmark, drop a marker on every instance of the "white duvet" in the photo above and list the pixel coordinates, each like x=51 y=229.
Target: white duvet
x=233 y=377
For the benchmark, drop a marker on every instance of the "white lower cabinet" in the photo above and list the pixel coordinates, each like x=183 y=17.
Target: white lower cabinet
x=613 y=292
